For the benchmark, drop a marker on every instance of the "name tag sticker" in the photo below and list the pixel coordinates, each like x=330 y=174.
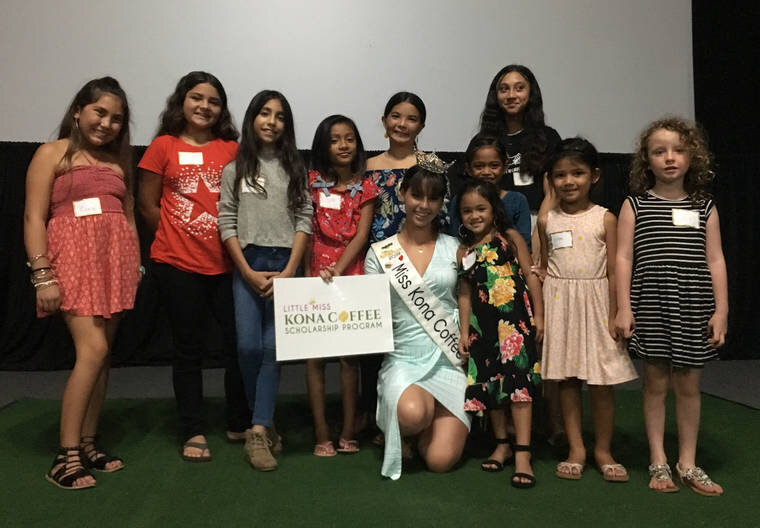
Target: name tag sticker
x=191 y=158
x=563 y=239
x=685 y=218
x=87 y=207
x=520 y=179
x=468 y=260
x=331 y=201
x=246 y=187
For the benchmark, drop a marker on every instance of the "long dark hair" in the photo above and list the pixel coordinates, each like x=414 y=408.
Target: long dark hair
x=425 y=183
x=493 y=119
x=173 y=120
x=320 y=148
x=490 y=192
x=577 y=148
x=479 y=141
x=247 y=160
x=406 y=97
x=69 y=128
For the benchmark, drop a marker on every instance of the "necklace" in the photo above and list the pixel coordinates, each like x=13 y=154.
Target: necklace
x=419 y=249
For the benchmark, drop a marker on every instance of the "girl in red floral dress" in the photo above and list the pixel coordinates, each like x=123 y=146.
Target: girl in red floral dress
x=344 y=204
x=498 y=328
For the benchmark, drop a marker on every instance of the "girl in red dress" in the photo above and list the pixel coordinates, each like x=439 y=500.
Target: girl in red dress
x=81 y=241
x=344 y=202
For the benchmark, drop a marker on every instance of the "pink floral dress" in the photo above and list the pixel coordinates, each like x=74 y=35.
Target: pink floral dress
x=503 y=365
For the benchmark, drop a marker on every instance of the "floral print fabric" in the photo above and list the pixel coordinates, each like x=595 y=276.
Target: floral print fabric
x=389 y=211
x=503 y=365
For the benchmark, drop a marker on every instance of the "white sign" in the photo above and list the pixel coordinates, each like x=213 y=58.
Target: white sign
x=349 y=316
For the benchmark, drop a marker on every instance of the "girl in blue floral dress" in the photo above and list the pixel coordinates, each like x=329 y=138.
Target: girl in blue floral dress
x=499 y=330
x=403 y=119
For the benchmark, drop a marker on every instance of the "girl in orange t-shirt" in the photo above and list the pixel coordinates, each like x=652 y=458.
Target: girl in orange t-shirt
x=179 y=189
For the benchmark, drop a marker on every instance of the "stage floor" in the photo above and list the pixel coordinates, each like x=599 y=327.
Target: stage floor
x=735 y=381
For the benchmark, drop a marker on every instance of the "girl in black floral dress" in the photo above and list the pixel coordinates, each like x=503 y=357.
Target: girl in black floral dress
x=499 y=330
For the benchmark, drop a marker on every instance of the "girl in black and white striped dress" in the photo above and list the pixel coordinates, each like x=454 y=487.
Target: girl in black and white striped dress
x=672 y=294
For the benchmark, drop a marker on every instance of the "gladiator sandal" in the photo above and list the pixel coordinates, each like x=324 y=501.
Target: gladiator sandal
x=95 y=458
x=67 y=468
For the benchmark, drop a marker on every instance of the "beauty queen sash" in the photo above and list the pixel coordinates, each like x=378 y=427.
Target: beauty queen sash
x=425 y=306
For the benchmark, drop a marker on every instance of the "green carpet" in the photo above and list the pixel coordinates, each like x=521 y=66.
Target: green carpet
x=158 y=489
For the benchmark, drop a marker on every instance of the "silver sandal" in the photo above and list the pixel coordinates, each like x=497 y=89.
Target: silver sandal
x=696 y=475
x=661 y=473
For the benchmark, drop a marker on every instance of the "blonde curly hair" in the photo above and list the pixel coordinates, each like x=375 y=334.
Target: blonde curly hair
x=697 y=179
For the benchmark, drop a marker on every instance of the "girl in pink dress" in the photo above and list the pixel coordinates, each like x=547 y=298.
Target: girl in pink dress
x=344 y=202
x=581 y=343
x=81 y=241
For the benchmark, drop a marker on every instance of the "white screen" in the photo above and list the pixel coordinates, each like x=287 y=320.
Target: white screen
x=606 y=67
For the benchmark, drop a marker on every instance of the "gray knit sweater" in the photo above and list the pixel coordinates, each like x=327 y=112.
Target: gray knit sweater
x=255 y=218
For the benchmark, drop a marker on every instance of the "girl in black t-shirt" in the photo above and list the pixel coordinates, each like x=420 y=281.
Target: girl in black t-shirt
x=514 y=113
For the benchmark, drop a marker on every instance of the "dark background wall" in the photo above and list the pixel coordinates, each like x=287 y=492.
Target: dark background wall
x=726 y=52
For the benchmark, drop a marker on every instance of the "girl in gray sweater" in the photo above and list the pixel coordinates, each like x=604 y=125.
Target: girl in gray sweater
x=265 y=222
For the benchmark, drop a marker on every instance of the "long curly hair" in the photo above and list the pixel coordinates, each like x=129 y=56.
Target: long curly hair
x=493 y=120
x=173 y=120
x=490 y=192
x=69 y=128
x=697 y=179
x=247 y=160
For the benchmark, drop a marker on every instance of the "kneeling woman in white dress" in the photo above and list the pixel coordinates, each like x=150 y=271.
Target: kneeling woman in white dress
x=420 y=385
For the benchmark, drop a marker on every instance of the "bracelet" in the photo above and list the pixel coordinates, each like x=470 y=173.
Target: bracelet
x=43 y=268
x=41 y=277
x=141 y=270
x=41 y=285
x=34 y=259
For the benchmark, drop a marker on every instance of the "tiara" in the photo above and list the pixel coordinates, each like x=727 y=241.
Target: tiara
x=432 y=163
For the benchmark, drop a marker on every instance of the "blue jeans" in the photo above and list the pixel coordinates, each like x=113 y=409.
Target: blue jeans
x=254 y=320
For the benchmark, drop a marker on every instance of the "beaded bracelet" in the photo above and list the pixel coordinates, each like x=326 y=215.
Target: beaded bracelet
x=41 y=277
x=41 y=285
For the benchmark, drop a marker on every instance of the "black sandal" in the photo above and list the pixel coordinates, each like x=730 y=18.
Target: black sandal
x=96 y=459
x=70 y=468
x=492 y=462
x=530 y=478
